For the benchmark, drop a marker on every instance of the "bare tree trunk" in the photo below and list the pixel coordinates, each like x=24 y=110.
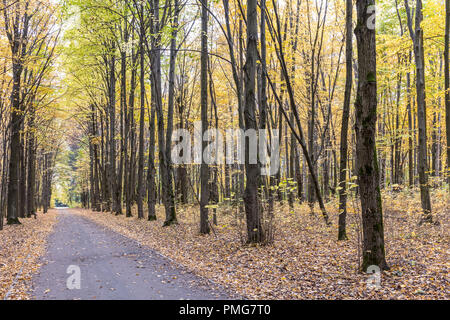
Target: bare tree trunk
x=410 y=128
x=156 y=98
x=130 y=159
x=97 y=168
x=140 y=175
x=16 y=119
x=398 y=139
x=18 y=39
x=417 y=38
x=293 y=141
x=115 y=195
x=447 y=83
x=204 y=170
x=129 y=132
x=182 y=174
x=262 y=91
x=31 y=183
x=151 y=174
x=22 y=172
x=171 y=105
x=255 y=231
x=367 y=163
x=342 y=234
x=151 y=200
x=123 y=116
x=45 y=183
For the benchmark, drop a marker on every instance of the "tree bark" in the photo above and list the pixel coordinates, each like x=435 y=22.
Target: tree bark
x=342 y=234
x=171 y=105
x=140 y=175
x=255 y=231
x=419 y=56
x=447 y=83
x=115 y=195
x=373 y=250
x=204 y=169
x=31 y=181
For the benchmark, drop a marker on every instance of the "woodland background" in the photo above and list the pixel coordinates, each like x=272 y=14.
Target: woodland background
x=92 y=90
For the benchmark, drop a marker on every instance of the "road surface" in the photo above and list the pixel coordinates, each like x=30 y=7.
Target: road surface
x=103 y=265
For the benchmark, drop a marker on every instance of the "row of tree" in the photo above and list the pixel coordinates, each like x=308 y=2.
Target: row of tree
x=137 y=70
x=28 y=144
x=272 y=64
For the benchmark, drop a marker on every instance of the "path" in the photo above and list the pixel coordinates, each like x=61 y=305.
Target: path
x=112 y=267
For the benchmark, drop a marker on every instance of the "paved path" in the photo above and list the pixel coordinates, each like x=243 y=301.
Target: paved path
x=112 y=267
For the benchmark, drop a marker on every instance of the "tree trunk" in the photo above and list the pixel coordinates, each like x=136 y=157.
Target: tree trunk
x=115 y=194
x=342 y=234
x=419 y=55
x=140 y=175
x=123 y=116
x=31 y=183
x=171 y=104
x=130 y=158
x=204 y=170
x=410 y=129
x=447 y=83
x=22 y=172
x=367 y=163
x=16 y=120
x=252 y=206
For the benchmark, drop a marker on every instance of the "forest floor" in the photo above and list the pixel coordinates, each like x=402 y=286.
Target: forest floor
x=20 y=250
x=305 y=261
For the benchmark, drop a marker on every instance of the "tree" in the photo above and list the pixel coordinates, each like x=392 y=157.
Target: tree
x=255 y=231
x=447 y=82
x=156 y=26
x=140 y=182
x=345 y=118
x=16 y=27
x=373 y=250
x=419 y=57
x=170 y=110
x=204 y=174
x=32 y=36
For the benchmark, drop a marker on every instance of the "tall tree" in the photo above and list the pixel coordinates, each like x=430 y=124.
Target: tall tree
x=204 y=174
x=17 y=21
x=345 y=118
x=419 y=57
x=170 y=206
x=447 y=82
x=373 y=250
x=31 y=171
x=255 y=231
x=115 y=194
x=140 y=176
x=156 y=26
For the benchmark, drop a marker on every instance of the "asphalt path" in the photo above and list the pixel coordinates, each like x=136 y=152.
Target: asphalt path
x=86 y=261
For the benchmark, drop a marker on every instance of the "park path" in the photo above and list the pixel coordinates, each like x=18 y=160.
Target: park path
x=112 y=267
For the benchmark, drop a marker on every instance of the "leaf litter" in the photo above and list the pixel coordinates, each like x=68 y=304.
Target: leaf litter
x=21 y=247
x=305 y=260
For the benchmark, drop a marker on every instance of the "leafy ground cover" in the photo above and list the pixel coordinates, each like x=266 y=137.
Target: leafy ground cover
x=305 y=261
x=20 y=249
